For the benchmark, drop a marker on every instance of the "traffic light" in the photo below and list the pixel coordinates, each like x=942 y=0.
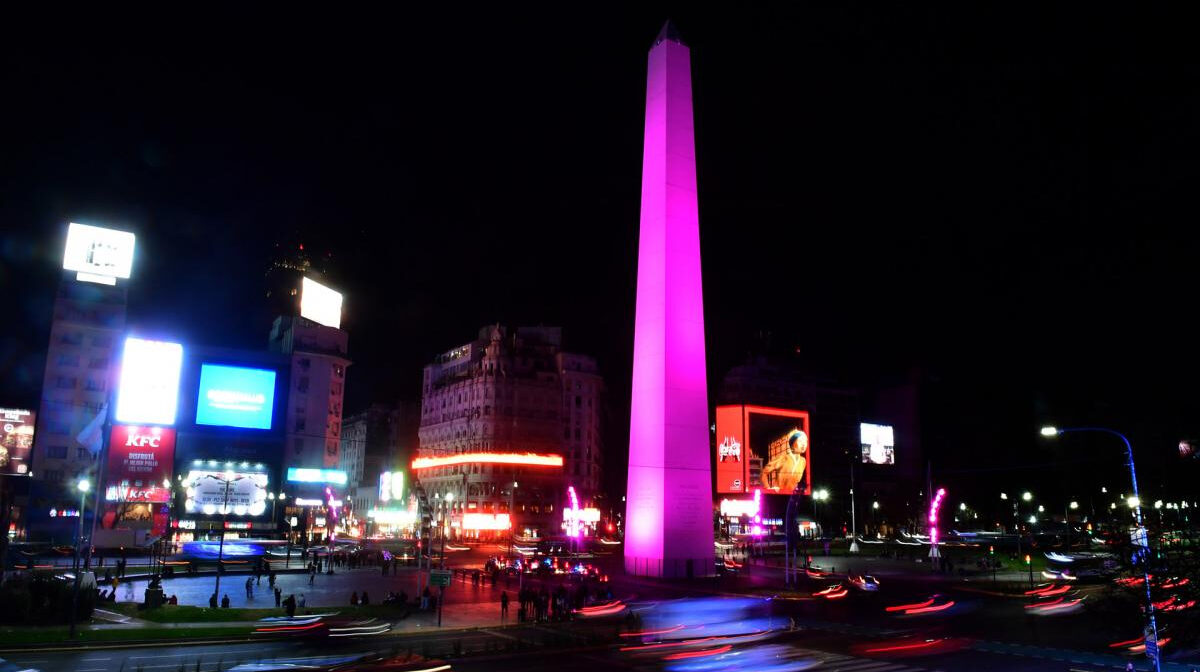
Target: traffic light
x=1028 y=559
x=991 y=550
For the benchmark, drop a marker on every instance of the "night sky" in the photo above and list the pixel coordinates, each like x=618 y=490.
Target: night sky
x=1005 y=201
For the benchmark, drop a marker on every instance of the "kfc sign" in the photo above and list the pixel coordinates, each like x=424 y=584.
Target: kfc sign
x=127 y=493
x=140 y=457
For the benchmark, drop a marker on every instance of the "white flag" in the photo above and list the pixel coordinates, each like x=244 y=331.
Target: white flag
x=92 y=436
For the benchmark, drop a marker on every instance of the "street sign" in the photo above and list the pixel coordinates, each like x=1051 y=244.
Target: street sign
x=439 y=577
x=1151 y=644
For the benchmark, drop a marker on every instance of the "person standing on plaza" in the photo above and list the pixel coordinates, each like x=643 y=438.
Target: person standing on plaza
x=278 y=596
x=503 y=606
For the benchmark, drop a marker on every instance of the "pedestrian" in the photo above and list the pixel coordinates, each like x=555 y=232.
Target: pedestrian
x=278 y=597
x=271 y=578
x=303 y=600
x=425 y=598
x=354 y=599
x=312 y=577
x=225 y=601
x=290 y=605
x=212 y=601
x=503 y=605
x=249 y=588
x=365 y=600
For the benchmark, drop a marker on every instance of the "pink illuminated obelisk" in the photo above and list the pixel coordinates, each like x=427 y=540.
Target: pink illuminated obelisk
x=668 y=520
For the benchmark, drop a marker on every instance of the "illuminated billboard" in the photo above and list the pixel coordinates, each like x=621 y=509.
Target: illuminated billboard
x=391 y=486
x=330 y=476
x=148 y=390
x=878 y=443
x=235 y=396
x=763 y=448
x=98 y=254
x=139 y=461
x=320 y=304
x=16 y=440
x=213 y=491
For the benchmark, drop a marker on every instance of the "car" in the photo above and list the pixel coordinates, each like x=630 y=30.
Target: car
x=865 y=582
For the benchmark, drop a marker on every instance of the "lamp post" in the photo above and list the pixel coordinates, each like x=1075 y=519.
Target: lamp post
x=512 y=520
x=84 y=486
x=221 y=546
x=1140 y=537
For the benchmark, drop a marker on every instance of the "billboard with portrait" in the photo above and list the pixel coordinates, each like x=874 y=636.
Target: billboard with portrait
x=878 y=443
x=16 y=440
x=765 y=448
x=235 y=396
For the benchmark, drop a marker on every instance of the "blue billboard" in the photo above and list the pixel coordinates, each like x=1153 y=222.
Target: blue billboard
x=235 y=396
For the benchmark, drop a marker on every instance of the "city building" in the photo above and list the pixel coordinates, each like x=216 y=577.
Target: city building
x=381 y=439
x=86 y=333
x=508 y=422
x=319 y=361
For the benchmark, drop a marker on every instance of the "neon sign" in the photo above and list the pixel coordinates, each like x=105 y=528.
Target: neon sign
x=933 y=515
x=486 y=521
x=523 y=459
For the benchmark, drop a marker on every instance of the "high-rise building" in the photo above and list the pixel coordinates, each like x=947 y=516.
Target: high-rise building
x=81 y=364
x=381 y=438
x=319 y=360
x=668 y=522
x=510 y=407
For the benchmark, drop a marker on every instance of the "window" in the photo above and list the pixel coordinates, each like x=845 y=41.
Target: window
x=65 y=383
x=82 y=453
x=94 y=385
x=58 y=427
x=68 y=360
x=56 y=452
x=300 y=423
x=71 y=338
x=101 y=341
x=98 y=363
x=304 y=364
x=54 y=475
x=302 y=384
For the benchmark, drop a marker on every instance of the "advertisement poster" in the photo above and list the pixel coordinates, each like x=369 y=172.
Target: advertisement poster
x=16 y=440
x=209 y=491
x=768 y=447
x=878 y=443
x=141 y=457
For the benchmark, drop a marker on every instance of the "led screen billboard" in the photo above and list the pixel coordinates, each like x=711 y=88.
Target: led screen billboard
x=878 y=443
x=98 y=254
x=210 y=491
x=320 y=304
x=16 y=440
x=148 y=390
x=235 y=396
x=763 y=448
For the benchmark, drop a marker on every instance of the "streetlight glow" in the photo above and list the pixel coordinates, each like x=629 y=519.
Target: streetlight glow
x=1133 y=502
x=1074 y=505
x=1049 y=430
x=1027 y=496
x=84 y=485
x=1004 y=495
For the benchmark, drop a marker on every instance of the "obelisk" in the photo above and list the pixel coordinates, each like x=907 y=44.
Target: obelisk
x=668 y=523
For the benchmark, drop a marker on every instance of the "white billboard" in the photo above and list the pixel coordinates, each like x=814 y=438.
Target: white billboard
x=320 y=304
x=878 y=443
x=149 y=387
x=209 y=492
x=98 y=254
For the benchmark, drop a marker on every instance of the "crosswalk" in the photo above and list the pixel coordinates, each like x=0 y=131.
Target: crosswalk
x=836 y=662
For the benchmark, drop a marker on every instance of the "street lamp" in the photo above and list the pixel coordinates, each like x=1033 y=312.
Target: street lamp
x=83 y=486
x=1027 y=496
x=229 y=476
x=1139 y=535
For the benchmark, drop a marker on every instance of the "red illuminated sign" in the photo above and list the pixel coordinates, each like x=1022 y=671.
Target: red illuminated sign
x=140 y=458
x=761 y=447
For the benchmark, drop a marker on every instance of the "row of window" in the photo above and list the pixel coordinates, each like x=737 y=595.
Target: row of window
x=71 y=382
x=60 y=453
x=76 y=338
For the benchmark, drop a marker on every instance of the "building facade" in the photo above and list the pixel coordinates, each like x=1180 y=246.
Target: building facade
x=318 y=384
x=81 y=362
x=508 y=422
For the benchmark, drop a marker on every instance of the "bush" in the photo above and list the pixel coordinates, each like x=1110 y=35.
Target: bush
x=42 y=600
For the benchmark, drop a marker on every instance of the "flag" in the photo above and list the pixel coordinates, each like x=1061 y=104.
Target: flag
x=92 y=436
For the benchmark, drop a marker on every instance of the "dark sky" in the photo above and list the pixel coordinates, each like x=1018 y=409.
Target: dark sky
x=1002 y=199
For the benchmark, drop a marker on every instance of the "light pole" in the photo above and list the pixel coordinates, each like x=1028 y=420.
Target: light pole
x=221 y=546
x=1067 y=520
x=84 y=485
x=512 y=521
x=1140 y=536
